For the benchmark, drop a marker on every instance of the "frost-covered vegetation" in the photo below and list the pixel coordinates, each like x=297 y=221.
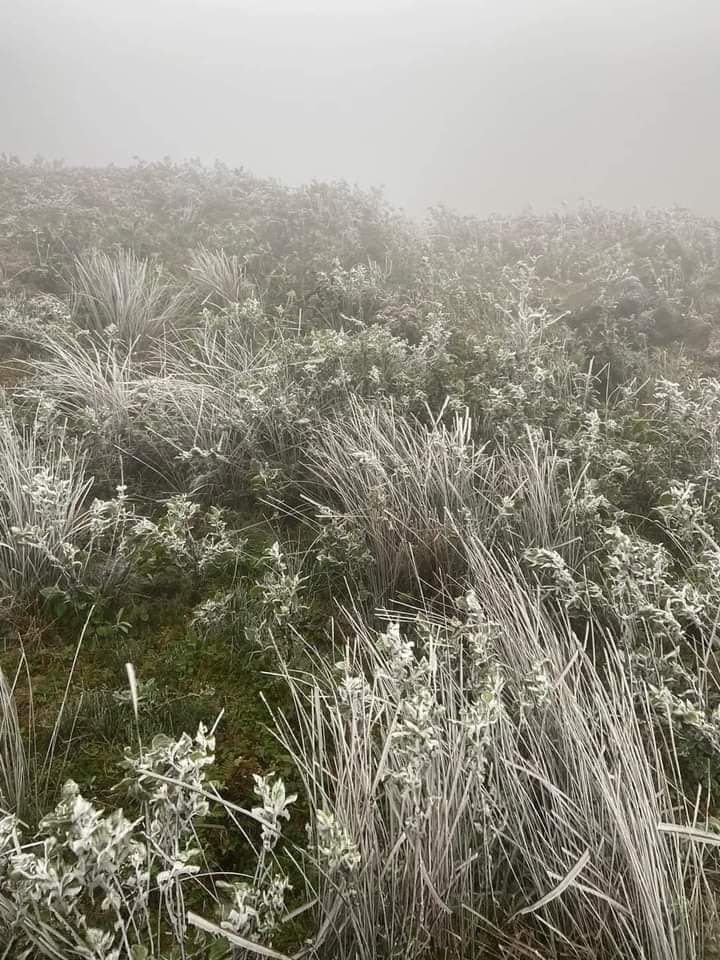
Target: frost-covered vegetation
x=360 y=578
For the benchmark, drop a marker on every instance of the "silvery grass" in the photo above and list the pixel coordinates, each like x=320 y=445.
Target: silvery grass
x=96 y=387
x=87 y=378
x=227 y=398
x=43 y=489
x=221 y=350
x=418 y=490
x=607 y=786
x=126 y=409
x=203 y=397
x=493 y=791
x=219 y=278
x=125 y=292
x=30 y=760
x=13 y=758
x=401 y=482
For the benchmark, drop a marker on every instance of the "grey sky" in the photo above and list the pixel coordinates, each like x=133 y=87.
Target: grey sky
x=487 y=105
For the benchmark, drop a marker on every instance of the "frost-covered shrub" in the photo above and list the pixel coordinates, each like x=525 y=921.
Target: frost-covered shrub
x=106 y=886
x=26 y=322
x=266 y=607
x=183 y=543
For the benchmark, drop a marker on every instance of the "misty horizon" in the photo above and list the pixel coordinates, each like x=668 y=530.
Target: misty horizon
x=483 y=108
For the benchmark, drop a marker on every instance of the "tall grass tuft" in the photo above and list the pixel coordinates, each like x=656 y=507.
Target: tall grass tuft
x=219 y=278
x=405 y=485
x=87 y=378
x=419 y=491
x=479 y=785
x=43 y=489
x=124 y=292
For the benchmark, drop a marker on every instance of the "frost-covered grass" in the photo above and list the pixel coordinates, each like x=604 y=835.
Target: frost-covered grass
x=123 y=292
x=446 y=495
x=478 y=783
x=219 y=277
x=43 y=487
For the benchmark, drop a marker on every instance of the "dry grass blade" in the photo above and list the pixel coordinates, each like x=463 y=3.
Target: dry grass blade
x=567 y=881
x=690 y=833
x=255 y=948
x=13 y=755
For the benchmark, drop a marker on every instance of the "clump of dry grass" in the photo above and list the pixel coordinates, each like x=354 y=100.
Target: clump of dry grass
x=124 y=292
x=220 y=278
x=418 y=491
x=43 y=489
x=405 y=485
x=492 y=791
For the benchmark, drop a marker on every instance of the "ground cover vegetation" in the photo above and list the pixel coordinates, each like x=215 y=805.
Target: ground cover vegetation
x=359 y=577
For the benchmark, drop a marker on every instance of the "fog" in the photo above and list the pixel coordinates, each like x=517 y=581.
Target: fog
x=491 y=105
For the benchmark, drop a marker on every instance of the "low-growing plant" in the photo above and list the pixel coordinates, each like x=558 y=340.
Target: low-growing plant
x=91 y=884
